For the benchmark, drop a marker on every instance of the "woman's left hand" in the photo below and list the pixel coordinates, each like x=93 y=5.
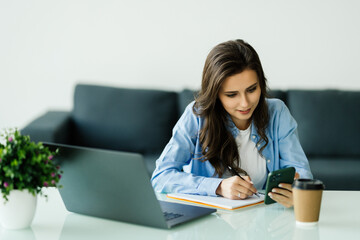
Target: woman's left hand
x=283 y=194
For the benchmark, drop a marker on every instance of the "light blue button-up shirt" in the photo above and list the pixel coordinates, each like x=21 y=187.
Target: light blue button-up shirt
x=180 y=170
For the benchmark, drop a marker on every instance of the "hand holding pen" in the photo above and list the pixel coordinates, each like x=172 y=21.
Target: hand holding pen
x=236 y=174
x=236 y=187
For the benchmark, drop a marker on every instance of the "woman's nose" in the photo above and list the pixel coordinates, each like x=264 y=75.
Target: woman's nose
x=244 y=102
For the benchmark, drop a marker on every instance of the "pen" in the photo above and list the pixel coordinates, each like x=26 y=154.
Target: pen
x=235 y=173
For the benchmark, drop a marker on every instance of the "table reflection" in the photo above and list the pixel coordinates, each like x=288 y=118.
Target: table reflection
x=308 y=233
x=262 y=221
x=257 y=222
x=27 y=233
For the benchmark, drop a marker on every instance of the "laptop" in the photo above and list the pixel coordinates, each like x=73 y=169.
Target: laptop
x=116 y=185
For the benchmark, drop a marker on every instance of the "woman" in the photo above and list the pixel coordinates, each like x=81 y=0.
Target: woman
x=231 y=124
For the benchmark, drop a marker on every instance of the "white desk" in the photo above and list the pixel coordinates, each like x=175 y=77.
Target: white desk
x=339 y=219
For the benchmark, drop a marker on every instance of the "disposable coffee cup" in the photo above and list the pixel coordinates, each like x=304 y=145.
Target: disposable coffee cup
x=307 y=194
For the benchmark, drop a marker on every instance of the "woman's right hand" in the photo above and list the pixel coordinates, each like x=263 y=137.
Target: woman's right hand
x=236 y=188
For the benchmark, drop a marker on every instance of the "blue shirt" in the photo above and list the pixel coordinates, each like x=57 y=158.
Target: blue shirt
x=179 y=169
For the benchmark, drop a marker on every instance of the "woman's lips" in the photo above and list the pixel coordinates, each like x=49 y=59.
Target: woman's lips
x=245 y=111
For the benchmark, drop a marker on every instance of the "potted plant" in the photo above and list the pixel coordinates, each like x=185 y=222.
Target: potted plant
x=25 y=168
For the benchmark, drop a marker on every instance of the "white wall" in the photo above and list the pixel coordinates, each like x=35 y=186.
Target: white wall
x=46 y=47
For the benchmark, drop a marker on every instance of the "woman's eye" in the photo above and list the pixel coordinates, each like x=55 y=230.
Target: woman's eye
x=231 y=95
x=251 y=90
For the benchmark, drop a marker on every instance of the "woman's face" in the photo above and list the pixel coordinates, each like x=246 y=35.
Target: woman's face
x=239 y=94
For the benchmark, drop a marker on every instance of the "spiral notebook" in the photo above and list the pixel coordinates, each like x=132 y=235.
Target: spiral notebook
x=217 y=202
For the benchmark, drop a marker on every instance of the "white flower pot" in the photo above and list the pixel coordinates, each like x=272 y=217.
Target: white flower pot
x=19 y=211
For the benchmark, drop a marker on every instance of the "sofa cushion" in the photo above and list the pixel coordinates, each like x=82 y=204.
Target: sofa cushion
x=328 y=121
x=185 y=97
x=280 y=94
x=337 y=173
x=135 y=120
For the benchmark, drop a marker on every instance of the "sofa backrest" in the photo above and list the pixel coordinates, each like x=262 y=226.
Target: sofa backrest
x=135 y=120
x=185 y=97
x=280 y=94
x=324 y=125
x=328 y=121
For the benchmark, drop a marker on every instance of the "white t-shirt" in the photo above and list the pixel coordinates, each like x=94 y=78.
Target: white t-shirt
x=250 y=159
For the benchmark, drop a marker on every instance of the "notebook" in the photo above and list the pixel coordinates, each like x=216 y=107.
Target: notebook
x=218 y=202
x=116 y=185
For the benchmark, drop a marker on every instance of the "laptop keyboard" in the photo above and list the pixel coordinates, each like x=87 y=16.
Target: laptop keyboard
x=169 y=215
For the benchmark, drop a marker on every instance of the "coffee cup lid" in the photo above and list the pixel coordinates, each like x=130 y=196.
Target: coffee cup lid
x=308 y=184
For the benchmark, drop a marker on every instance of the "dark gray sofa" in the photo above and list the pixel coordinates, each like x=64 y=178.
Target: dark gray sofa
x=139 y=120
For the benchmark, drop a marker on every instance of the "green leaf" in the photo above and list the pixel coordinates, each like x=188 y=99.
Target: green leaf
x=21 y=154
x=25 y=164
x=14 y=163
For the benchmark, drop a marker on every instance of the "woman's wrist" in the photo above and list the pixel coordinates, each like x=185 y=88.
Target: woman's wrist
x=218 y=189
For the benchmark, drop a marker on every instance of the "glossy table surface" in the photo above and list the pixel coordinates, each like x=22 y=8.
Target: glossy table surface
x=339 y=219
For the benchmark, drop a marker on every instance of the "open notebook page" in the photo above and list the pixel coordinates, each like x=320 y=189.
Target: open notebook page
x=218 y=202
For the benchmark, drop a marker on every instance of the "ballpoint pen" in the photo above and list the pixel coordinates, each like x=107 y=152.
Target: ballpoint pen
x=235 y=173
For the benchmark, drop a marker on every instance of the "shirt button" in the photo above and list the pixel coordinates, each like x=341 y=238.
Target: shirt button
x=253 y=136
x=258 y=145
x=268 y=160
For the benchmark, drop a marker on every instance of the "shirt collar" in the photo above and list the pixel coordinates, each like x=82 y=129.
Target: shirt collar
x=235 y=131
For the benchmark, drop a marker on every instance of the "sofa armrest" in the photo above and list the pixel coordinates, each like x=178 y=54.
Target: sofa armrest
x=53 y=126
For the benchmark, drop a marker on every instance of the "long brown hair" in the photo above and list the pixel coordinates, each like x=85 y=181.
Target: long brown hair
x=218 y=144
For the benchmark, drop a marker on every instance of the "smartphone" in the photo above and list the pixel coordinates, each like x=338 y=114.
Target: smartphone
x=285 y=175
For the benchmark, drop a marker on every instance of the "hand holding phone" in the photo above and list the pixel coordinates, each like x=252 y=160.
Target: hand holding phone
x=285 y=175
